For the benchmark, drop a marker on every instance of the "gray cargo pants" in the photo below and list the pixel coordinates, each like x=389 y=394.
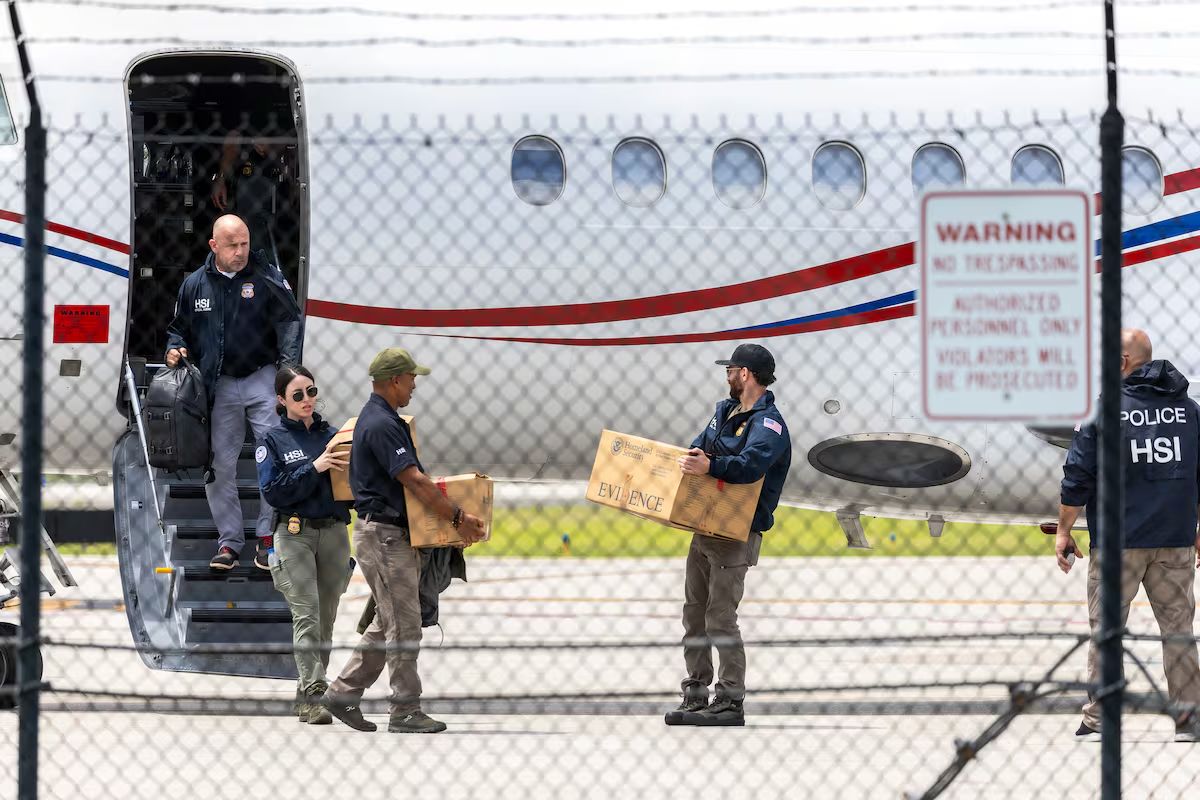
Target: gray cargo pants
x=712 y=589
x=311 y=572
x=1169 y=575
x=236 y=400
x=392 y=568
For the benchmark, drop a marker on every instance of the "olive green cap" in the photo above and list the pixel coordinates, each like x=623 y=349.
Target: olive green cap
x=393 y=361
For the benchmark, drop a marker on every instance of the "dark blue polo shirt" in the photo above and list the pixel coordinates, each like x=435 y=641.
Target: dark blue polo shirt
x=383 y=448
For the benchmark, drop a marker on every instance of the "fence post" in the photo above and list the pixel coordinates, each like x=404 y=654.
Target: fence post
x=31 y=430
x=1112 y=137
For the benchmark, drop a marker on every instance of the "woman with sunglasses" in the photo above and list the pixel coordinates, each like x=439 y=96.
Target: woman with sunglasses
x=310 y=564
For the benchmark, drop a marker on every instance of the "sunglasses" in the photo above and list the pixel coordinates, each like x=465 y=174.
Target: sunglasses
x=298 y=395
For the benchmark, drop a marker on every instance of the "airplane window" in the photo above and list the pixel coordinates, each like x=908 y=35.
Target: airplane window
x=739 y=174
x=937 y=166
x=8 y=130
x=1035 y=165
x=639 y=172
x=839 y=175
x=538 y=171
x=1142 y=179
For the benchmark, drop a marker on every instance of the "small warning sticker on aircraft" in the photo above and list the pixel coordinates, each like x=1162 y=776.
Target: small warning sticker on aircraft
x=1005 y=305
x=80 y=324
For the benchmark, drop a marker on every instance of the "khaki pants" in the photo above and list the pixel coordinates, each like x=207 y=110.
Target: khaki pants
x=312 y=572
x=392 y=568
x=1169 y=575
x=712 y=589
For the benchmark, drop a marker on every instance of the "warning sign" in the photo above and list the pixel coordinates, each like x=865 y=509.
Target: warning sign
x=1005 y=305
x=80 y=324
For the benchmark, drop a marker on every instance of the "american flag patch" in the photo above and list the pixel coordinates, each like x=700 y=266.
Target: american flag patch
x=773 y=425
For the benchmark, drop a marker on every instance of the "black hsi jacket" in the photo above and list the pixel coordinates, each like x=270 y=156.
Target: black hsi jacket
x=199 y=323
x=1160 y=428
x=286 y=475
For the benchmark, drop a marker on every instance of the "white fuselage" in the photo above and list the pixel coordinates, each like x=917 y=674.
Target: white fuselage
x=411 y=206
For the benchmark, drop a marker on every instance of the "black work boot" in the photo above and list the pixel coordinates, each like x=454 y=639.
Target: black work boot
x=414 y=722
x=348 y=713
x=722 y=712
x=695 y=698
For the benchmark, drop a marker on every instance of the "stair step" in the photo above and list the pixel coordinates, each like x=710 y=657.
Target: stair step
x=190 y=490
x=244 y=571
x=204 y=529
x=238 y=626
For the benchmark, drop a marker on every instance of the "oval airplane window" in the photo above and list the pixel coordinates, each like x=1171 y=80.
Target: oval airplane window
x=1142 y=180
x=937 y=166
x=1035 y=165
x=739 y=174
x=839 y=175
x=538 y=170
x=639 y=172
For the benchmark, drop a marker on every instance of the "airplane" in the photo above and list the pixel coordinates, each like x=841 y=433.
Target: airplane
x=570 y=215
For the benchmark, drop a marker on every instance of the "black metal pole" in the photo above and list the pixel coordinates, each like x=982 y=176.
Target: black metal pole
x=1112 y=138
x=31 y=430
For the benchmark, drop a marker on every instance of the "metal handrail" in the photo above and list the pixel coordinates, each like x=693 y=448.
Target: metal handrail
x=137 y=415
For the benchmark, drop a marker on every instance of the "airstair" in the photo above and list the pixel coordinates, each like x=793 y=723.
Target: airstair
x=184 y=616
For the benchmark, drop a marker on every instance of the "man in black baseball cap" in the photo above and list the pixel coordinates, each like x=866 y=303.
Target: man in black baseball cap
x=746 y=440
x=753 y=357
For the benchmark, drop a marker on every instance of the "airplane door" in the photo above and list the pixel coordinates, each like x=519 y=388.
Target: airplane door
x=200 y=150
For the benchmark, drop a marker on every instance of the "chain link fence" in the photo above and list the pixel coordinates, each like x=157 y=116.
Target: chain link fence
x=906 y=629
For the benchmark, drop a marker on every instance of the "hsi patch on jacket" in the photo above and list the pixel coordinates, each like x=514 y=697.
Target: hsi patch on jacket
x=286 y=474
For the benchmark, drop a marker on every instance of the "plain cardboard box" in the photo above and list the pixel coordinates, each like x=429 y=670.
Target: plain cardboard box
x=642 y=477
x=471 y=491
x=342 y=442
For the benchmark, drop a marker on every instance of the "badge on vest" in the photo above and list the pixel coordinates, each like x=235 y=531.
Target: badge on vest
x=247 y=290
x=741 y=429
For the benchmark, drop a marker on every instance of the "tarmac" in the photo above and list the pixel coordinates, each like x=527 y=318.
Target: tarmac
x=553 y=675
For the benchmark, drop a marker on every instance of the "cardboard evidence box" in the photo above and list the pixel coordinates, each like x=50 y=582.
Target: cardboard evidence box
x=342 y=442
x=642 y=477
x=471 y=491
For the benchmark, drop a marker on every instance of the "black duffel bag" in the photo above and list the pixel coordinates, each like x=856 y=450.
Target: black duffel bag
x=176 y=419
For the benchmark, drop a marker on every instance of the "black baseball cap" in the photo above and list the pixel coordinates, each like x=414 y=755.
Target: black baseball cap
x=753 y=357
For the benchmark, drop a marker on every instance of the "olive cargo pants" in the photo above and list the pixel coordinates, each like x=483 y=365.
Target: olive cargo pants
x=712 y=589
x=392 y=568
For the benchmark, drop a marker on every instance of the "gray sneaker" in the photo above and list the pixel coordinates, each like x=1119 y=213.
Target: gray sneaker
x=348 y=713
x=414 y=722
x=1188 y=729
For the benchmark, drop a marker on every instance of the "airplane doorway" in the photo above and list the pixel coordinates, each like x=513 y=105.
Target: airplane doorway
x=212 y=133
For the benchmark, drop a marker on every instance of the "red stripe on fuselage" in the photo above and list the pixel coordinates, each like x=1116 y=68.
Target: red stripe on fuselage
x=1181 y=181
x=846 y=269
x=863 y=318
x=1129 y=259
x=74 y=233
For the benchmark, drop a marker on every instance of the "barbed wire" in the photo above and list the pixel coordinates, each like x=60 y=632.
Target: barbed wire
x=826 y=641
x=606 y=41
x=423 y=80
x=899 y=8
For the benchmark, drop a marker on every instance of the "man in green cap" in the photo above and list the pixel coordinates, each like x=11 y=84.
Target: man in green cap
x=383 y=463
